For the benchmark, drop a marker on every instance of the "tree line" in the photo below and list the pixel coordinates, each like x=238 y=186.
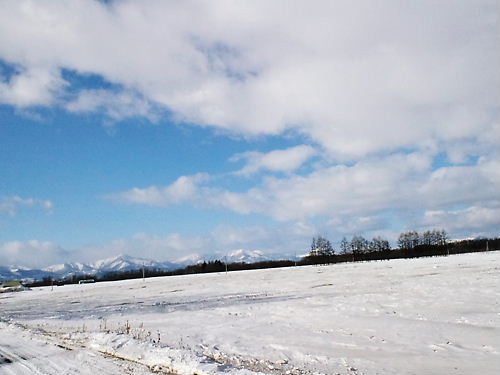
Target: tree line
x=410 y=244
x=412 y=239
x=321 y=246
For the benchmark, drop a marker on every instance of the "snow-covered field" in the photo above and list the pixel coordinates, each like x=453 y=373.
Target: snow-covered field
x=421 y=316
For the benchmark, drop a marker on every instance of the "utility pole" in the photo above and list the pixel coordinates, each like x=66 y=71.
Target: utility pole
x=225 y=262
x=143 y=274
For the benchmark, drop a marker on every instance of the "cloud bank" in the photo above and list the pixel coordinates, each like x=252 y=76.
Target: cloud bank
x=357 y=78
x=32 y=254
x=405 y=182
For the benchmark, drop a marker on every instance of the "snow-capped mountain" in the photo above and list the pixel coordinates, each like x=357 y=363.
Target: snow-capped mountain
x=69 y=269
x=123 y=263
x=235 y=256
x=119 y=263
x=128 y=263
x=246 y=256
x=190 y=259
x=19 y=273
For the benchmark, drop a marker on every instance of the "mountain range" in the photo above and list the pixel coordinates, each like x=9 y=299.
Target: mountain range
x=123 y=262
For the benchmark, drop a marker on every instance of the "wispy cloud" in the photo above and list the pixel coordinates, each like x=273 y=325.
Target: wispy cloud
x=32 y=86
x=116 y=105
x=184 y=189
x=10 y=205
x=286 y=160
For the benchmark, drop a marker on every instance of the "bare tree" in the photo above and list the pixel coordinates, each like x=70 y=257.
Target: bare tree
x=379 y=244
x=321 y=246
x=359 y=245
x=344 y=246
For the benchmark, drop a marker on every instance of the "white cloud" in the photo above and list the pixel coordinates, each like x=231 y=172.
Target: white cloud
x=475 y=220
x=184 y=189
x=116 y=105
x=361 y=189
x=462 y=184
x=355 y=77
x=286 y=160
x=357 y=225
x=33 y=254
x=350 y=194
x=36 y=86
x=12 y=204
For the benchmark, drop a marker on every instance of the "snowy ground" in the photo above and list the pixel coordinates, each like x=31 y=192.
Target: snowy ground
x=422 y=316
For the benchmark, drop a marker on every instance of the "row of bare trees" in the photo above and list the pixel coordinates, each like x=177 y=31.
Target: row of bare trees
x=360 y=245
x=321 y=246
x=412 y=239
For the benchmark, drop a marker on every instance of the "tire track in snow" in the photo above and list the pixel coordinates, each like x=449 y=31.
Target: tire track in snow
x=22 y=353
x=18 y=361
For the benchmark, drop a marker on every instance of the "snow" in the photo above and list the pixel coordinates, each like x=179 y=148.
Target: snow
x=123 y=262
x=69 y=268
x=242 y=255
x=436 y=315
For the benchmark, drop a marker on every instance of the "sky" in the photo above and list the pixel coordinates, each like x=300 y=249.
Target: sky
x=164 y=129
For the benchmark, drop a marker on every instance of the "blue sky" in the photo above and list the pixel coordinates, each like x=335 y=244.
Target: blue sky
x=77 y=162
x=170 y=129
